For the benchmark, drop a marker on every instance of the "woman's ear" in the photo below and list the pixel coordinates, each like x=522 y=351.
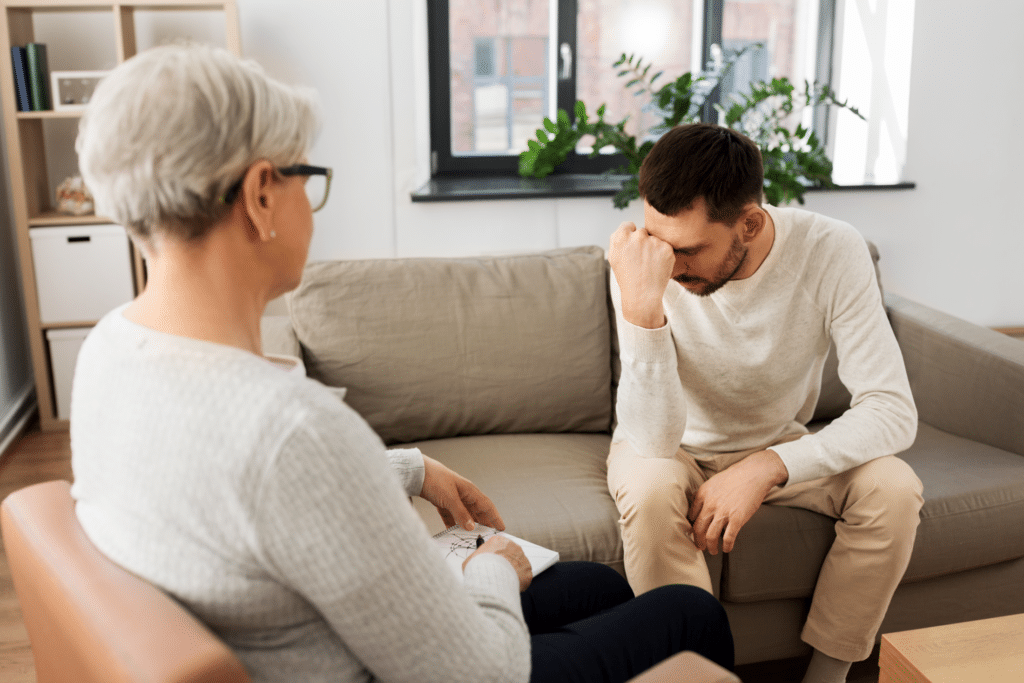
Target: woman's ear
x=259 y=200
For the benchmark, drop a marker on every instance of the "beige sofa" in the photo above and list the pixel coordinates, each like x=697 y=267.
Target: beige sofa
x=504 y=369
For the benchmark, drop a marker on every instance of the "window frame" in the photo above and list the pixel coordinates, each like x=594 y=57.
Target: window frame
x=445 y=164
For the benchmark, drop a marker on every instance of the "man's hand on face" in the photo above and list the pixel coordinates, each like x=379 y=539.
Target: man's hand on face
x=727 y=501
x=643 y=265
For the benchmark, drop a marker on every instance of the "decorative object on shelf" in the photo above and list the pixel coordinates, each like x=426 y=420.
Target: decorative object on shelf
x=74 y=198
x=20 y=65
x=794 y=158
x=72 y=90
x=38 y=76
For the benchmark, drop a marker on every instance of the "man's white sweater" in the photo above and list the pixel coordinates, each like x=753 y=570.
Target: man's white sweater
x=742 y=368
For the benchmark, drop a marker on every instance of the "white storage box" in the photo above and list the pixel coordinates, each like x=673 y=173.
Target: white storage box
x=64 y=346
x=82 y=271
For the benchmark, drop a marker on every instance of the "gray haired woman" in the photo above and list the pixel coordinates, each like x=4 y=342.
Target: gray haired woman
x=247 y=491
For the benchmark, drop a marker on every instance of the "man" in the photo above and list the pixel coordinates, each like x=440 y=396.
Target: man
x=726 y=310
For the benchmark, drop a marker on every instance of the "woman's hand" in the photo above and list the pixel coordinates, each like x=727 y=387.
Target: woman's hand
x=456 y=498
x=510 y=550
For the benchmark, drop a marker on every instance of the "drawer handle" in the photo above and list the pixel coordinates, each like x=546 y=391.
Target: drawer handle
x=81 y=238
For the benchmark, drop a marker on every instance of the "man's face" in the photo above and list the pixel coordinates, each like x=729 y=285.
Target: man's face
x=707 y=254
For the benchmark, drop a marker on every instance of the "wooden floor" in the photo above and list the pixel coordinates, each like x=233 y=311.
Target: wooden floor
x=39 y=457
x=35 y=458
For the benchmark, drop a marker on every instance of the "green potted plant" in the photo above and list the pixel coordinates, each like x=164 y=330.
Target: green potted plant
x=794 y=157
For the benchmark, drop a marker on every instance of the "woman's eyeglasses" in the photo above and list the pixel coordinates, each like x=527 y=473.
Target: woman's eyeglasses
x=318 y=184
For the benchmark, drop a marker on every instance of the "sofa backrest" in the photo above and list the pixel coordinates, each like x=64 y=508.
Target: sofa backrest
x=433 y=348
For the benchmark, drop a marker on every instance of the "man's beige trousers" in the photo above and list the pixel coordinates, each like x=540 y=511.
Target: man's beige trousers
x=876 y=506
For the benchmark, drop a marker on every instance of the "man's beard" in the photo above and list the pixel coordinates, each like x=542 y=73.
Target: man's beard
x=730 y=266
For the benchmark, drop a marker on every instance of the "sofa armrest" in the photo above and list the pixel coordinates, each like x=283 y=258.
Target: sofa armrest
x=688 y=667
x=279 y=337
x=967 y=380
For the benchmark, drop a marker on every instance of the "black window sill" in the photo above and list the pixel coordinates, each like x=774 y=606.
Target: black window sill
x=475 y=188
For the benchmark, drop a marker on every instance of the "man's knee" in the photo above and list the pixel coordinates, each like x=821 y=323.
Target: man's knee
x=893 y=485
x=649 y=487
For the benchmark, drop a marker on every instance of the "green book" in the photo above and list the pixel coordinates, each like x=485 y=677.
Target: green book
x=38 y=75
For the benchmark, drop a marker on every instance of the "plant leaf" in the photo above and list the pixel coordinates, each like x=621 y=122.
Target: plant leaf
x=527 y=160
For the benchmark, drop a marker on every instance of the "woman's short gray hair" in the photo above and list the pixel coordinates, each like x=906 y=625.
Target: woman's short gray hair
x=170 y=130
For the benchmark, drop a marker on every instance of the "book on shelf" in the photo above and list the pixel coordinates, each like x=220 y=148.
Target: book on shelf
x=38 y=76
x=20 y=66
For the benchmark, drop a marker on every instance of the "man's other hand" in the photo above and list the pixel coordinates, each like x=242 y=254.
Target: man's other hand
x=727 y=501
x=643 y=265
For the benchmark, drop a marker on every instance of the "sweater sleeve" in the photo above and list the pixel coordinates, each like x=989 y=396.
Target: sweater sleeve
x=649 y=407
x=334 y=525
x=407 y=464
x=882 y=418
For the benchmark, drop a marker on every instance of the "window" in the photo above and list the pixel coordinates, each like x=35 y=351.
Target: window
x=873 y=55
x=498 y=67
x=507 y=95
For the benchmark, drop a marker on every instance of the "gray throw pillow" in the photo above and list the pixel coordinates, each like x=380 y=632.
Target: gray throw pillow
x=434 y=348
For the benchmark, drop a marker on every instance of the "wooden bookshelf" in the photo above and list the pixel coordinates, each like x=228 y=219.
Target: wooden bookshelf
x=29 y=115
x=32 y=197
x=52 y=218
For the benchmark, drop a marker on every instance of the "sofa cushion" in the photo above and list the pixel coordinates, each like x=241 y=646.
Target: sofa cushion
x=973 y=511
x=433 y=348
x=974 y=504
x=550 y=489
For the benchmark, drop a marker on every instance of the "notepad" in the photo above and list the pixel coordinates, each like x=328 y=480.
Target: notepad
x=456 y=544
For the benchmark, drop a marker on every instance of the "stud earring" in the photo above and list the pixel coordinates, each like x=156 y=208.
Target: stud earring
x=273 y=234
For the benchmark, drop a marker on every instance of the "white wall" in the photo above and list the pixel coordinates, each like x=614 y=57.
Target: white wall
x=955 y=242
x=341 y=49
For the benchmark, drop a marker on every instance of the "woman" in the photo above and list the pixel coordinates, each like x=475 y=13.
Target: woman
x=252 y=494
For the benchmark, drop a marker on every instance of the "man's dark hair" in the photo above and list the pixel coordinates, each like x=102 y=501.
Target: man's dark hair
x=703 y=160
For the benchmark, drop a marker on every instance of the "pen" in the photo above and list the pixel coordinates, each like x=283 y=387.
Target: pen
x=479 y=541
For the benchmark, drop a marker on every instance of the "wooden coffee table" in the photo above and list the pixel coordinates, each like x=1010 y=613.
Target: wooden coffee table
x=986 y=651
